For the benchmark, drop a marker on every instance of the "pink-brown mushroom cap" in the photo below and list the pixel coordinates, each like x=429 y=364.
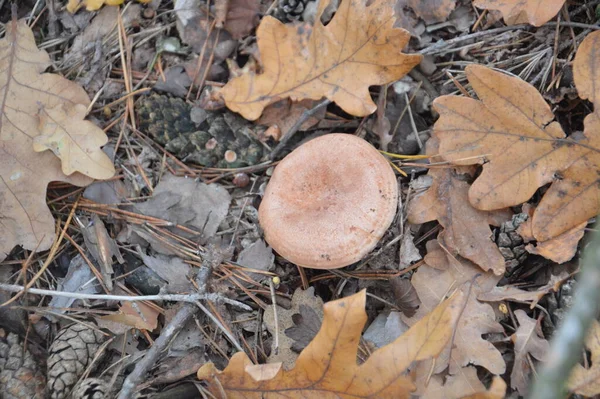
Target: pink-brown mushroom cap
x=329 y=202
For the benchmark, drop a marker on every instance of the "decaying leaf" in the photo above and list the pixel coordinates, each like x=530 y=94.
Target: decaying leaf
x=357 y=49
x=466 y=229
x=24 y=173
x=93 y=5
x=432 y=11
x=468 y=346
x=527 y=341
x=328 y=367
x=286 y=353
x=585 y=381
x=242 y=17
x=135 y=314
x=512 y=293
x=535 y=12
x=102 y=247
x=512 y=128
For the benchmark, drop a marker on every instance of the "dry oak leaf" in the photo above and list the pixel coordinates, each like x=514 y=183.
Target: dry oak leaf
x=512 y=293
x=585 y=381
x=464 y=385
x=466 y=229
x=93 y=5
x=75 y=141
x=357 y=49
x=511 y=130
x=527 y=341
x=468 y=346
x=535 y=12
x=327 y=368
x=25 y=174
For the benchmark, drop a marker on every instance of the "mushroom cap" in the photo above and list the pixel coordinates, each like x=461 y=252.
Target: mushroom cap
x=329 y=202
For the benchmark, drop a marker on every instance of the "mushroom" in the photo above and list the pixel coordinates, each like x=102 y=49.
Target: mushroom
x=329 y=202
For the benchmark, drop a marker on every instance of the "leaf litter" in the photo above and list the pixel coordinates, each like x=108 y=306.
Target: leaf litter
x=165 y=225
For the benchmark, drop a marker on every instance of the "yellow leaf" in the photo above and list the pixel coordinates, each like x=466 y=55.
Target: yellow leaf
x=327 y=368
x=535 y=12
x=93 y=5
x=357 y=49
x=25 y=174
x=75 y=141
x=135 y=314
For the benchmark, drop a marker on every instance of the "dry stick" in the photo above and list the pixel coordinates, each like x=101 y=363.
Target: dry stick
x=212 y=259
x=567 y=344
x=189 y=298
x=290 y=133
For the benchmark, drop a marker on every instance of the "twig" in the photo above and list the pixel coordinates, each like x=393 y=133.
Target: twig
x=442 y=45
x=290 y=133
x=567 y=343
x=211 y=260
x=189 y=298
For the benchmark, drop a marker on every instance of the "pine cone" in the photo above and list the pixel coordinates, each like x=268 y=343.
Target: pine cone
x=20 y=375
x=510 y=243
x=91 y=388
x=70 y=354
x=168 y=121
x=164 y=118
x=290 y=10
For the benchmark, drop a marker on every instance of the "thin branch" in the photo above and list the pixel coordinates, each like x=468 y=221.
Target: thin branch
x=190 y=298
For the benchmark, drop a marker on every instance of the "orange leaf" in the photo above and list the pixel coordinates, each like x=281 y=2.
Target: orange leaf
x=512 y=128
x=357 y=49
x=535 y=12
x=327 y=368
x=561 y=248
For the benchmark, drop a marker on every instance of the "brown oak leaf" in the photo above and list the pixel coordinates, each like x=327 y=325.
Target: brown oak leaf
x=511 y=130
x=468 y=346
x=535 y=12
x=328 y=367
x=466 y=229
x=527 y=340
x=357 y=49
x=24 y=174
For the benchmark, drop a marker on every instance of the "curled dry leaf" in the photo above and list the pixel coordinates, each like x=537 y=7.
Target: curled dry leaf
x=584 y=380
x=535 y=12
x=527 y=341
x=512 y=128
x=357 y=49
x=25 y=174
x=328 y=367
